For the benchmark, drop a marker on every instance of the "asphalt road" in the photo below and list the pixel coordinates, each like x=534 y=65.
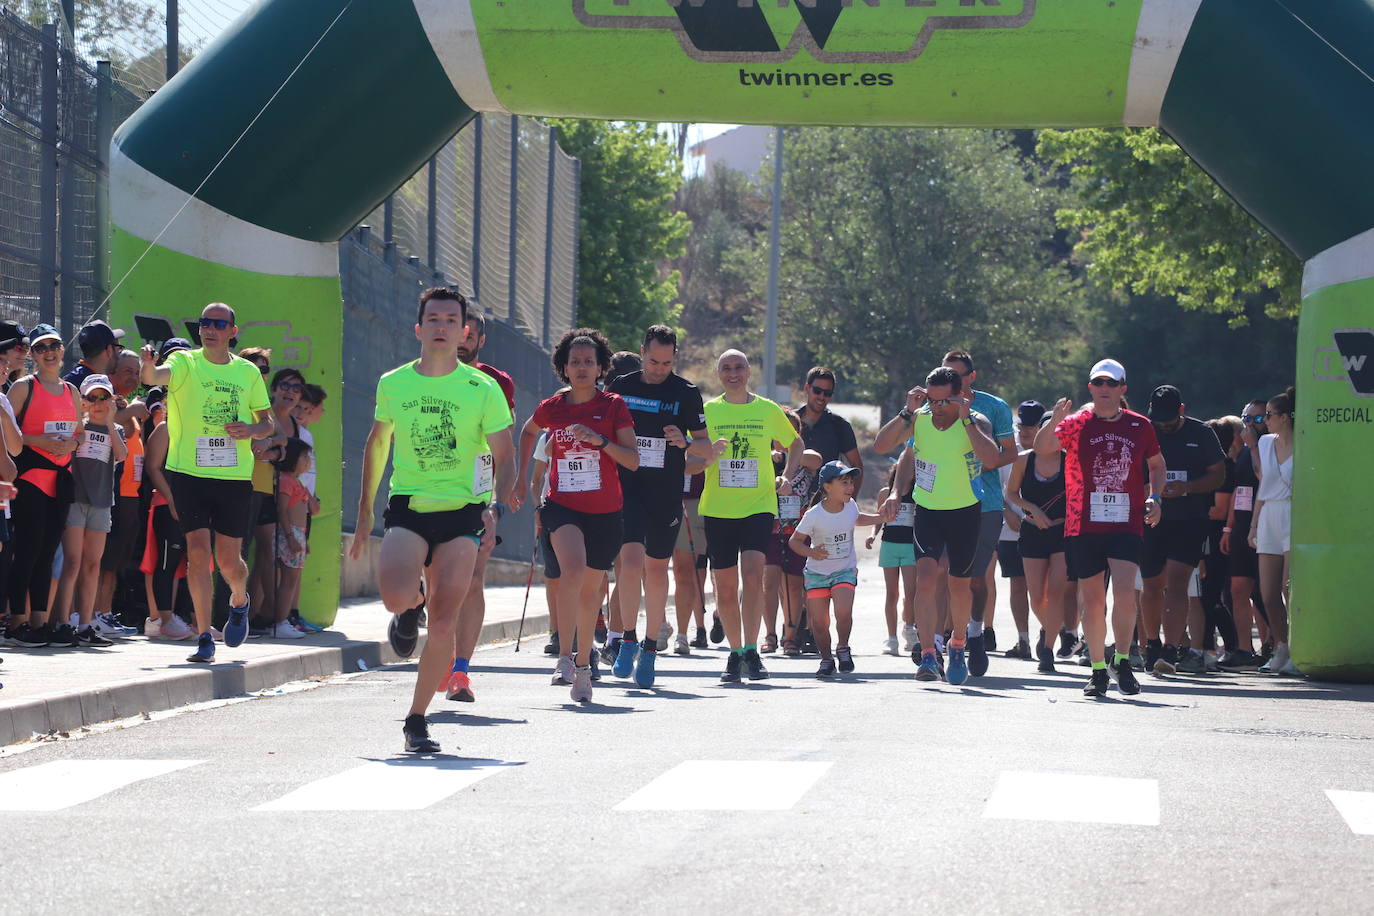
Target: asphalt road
x=1012 y=794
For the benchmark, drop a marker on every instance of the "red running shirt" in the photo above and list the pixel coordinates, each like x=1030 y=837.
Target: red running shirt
x=582 y=477
x=504 y=380
x=1104 y=472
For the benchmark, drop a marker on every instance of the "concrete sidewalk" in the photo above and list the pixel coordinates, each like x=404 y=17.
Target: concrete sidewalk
x=58 y=690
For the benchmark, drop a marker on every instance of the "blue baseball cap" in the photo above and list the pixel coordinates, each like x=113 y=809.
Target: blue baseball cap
x=832 y=469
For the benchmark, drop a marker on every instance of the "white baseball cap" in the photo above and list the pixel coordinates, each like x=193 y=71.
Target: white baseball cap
x=1108 y=368
x=94 y=381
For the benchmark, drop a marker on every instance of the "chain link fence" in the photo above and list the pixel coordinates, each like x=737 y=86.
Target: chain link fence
x=57 y=114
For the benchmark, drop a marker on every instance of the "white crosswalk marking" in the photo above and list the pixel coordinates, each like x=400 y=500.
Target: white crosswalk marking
x=66 y=783
x=380 y=786
x=1356 y=807
x=727 y=785
x=1092 y=799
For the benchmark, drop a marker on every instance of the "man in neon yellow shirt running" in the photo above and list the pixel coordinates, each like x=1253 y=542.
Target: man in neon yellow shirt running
x=940 y=468
x=216 y=403
x=740 y=503
x=451 y=428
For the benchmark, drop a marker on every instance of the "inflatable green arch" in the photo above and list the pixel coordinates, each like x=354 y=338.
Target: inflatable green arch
x=327 y=106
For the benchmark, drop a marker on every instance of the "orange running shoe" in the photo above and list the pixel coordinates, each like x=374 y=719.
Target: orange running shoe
x=460 y=688
x=443 y=678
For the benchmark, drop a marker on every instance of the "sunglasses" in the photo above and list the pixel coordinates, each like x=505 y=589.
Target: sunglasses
x=943 y=402
x=1109 y=382
x=1253 y=418
x=96 y=398
x=826 y=392
x=291 y=386
x=42 y=348
x=219 y=324
x=265 y=370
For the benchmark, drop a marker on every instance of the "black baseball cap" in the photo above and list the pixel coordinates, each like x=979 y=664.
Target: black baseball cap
x=1028 y=413
x=171 y=346
x=11 y=334
x=1165 y=404
x=97 y=336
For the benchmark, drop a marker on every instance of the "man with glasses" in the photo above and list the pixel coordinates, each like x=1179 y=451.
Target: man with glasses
x=1106 y=451
x=824 y=431
x=216 y=404
x=949 y=445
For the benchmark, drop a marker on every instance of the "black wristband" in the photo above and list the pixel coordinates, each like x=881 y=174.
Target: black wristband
x=605 y=441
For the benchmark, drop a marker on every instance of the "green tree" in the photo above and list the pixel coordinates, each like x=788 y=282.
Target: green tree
x=902 y=244
x=1151 y=221
x=629 y=227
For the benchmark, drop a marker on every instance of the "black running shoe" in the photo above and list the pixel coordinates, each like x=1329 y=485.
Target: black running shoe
x=734 y=663
x=753 y=666
x=611 y=649
x=827 y=668
x=600 y=633
x=404 y=632
x=418 y=741
x=1021 y=650
x=1046 y=665
x=596 y=669
x=1097 y=687
x=717 y=630
x=977 y=654
x=63 y=636
x=1067 y=640
x=1125 y=678
x=89 y=637
x=1165 y=664
x=29 y=637
x=989 y=639
x=552 y=647
x=699 y=640
x=1152 y=650
x=845 y=656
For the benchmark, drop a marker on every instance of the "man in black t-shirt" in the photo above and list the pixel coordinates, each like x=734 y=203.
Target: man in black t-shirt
x=668 y=414
x=824 y=431
x=1196 y=466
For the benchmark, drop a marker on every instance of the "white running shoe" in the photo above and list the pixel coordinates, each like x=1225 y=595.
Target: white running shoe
x=909 y=639
x=1291 y=669
x=681 y=646
x=890 y=646
x=107 y=624
x=285 y=630
x=153 y=628
x=176 y=628
x=1278 y=661
x=665 y=633
x=563 y=671
x=581 y=691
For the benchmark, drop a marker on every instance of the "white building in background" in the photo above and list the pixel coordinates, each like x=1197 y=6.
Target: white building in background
x=743 y=149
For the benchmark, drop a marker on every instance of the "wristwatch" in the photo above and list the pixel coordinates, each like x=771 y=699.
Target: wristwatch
x=605 y=441
x=905 y=414
x=968 y=421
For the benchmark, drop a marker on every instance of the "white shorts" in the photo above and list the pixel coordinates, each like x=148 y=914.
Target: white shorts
x=1275 y=525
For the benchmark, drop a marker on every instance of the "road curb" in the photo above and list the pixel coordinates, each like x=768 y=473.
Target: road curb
x=174 y=687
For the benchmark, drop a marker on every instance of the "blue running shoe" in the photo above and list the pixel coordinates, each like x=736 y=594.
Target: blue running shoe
x=625 y=658
x=927 y=670
x=205 y=650
x=236 y=627
x=956 y=672
x=644 y=670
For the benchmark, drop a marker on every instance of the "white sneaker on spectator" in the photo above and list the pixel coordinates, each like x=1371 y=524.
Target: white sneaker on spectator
x=1291 y=669
x=107 y=624
x=153 y=628
x=286 y=630
x=890 y=646
x=909 y=639
x=176 y=628
x=1278 y=661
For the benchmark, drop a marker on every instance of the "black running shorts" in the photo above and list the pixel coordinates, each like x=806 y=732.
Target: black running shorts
x=1180 y=540
x=655 y=523
x=727 y=538
x=1088 y=554
x=435 y=527
x=220 y=505
x=602 y=532
x=952 y=531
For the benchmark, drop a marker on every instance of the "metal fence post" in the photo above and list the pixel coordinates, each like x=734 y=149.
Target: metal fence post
x=104 y=133
x=173 y=40
x=514 y=214
x=388 y=228
x=477 y=207
x=432 y=216
x=548 y=232
x=577 y=235
x=47 y=178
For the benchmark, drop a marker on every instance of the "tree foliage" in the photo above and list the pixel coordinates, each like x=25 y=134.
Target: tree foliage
x=1151 y=221
x=629 y=226
x=901 y=244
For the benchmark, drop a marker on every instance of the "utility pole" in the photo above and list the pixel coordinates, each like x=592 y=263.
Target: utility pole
x=173 y=42
x=770 y=341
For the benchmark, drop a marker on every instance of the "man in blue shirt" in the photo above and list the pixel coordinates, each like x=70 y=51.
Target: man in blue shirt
x=1003 y=433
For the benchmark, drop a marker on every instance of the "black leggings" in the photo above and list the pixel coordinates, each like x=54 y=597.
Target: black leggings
x=170 y=544
x=1215 y=594
x=39 y=521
